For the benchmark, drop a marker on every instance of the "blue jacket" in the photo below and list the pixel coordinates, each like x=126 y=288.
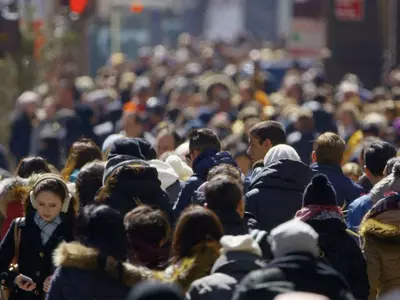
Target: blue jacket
x=346 y=190
x=201 y=166
x=357 y=210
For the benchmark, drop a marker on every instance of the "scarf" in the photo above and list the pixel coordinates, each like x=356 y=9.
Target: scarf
x=320 y=212
x=46 y=228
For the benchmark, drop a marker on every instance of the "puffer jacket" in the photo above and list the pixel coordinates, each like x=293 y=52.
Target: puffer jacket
x=275 y=194
x=201 y=166
x=380 y=231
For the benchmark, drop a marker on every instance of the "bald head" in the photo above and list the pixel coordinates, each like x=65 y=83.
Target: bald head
x=300 y=296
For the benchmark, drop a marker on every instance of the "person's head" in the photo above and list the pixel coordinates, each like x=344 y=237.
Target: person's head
x=81 y=153
x=196 y=225
x=263 y=136
x=28 y=102
x=242 y=159
x=154 y=290
x=349 y=115
x=132 y=124
x=300 y=296
x=305 y=121
x=224 y=193
x=376 y=156
x=319 y=191
x=293 y=236
x=352 y=171
x=102 y=227
x=202 y=140
x=32 y=165
x=50 y=198
x=89 y=181
x=281 y=152
x=147 y=230
x=389 y=166
x=50 y=107
x=328 y=149
x=167 y=140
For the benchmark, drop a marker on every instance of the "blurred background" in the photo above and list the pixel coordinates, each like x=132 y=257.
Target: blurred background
x=45 y=44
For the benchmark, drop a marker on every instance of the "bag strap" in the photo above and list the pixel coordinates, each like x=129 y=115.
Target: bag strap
x=17 y=238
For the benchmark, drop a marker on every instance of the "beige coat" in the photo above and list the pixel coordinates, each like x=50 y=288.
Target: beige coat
x=381 y=247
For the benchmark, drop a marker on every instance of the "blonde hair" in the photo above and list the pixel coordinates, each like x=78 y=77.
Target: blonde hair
x=352 y=170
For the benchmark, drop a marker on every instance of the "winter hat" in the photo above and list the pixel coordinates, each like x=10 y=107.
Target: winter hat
x=118 y=162
x=183 y=150
x=166 y=174
x=293 y=236
x=153 y=290
x=319 y=191
x=280 y=152
x=109 y=141
x=390 y=183
x=300 y=296
x=180 y=167
x=136 y=147
x=242 y=243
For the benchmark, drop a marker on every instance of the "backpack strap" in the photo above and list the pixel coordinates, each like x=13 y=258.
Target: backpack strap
x=17 y=238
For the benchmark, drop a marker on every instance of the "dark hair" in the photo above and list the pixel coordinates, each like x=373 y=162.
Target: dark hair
x=269 y=130
x=224 y=169
x=89 y=181
x=376 y=156
x=56 y=187
x=195 y=225
x=223 y=193
x=32 y=165
x=390 y=165
x=81 y=153
x=170 y=131
x=102 y=227
x=204 y=140
x=146 y=229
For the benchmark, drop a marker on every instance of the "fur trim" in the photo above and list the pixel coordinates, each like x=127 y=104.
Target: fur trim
x=14 y=189
x=379 y=229
x=75 y=255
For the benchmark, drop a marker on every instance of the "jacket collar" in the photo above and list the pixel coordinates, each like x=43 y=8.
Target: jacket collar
x=237 y=262
x=334 y=168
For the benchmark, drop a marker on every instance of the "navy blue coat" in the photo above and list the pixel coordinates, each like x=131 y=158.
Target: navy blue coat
x=35 y=259
x=275 y=194
x=201 y=166
x=346 y=190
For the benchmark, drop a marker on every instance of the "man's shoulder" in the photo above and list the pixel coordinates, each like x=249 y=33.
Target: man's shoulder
x=361 y=201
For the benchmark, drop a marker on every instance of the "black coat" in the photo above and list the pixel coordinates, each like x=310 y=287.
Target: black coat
x=294 y=272
x=341 y=251
x=35 y=259
x=275 y=194
x=226 y=274
x=21 y=130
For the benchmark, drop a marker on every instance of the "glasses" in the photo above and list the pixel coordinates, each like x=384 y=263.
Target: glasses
x=188 y=158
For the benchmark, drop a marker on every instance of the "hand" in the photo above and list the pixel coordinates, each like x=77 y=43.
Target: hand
x=28 y=286
x=46 y=284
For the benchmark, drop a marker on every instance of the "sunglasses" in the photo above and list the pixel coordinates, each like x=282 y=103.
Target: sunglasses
x=188 y=158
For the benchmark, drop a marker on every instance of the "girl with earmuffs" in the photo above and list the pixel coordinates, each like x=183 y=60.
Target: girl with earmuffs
x=26 y=251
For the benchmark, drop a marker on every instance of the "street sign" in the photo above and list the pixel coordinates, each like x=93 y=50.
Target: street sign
x=349 y=10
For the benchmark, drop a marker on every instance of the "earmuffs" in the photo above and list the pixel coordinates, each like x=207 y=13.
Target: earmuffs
x=68 y=196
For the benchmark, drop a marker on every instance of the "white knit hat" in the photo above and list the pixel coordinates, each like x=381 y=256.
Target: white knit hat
x=280 y=152
x=293 y=236
x=166 y=174
x=242 y=243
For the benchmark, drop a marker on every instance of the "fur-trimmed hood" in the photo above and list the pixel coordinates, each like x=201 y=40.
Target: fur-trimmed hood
x=380 y=230
x=14 y=189
x=78 y=256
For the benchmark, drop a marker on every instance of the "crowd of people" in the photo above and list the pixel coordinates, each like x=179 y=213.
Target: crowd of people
x=196 y=174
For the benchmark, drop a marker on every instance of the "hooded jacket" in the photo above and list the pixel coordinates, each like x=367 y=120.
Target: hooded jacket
x=380 y=231
x=131 y=184
x=84 y=273
x=346 y=190
x=275 y=194
x=359 y=207
x=201 y=166
x=227 y=272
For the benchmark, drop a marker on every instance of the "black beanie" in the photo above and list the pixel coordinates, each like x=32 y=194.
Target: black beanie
x=151 y=290
x=137 y=148
x=319 y=192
